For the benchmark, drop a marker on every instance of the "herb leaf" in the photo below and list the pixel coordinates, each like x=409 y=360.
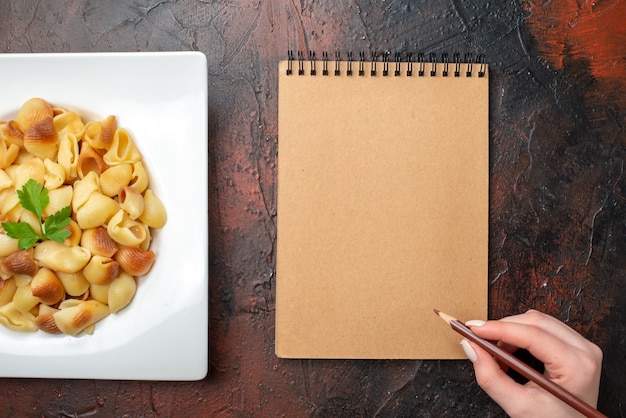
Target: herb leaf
x=54 y=225
x=23 y=232
x=34 y=198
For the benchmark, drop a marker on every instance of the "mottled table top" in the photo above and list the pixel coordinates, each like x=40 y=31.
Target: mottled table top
x=558 y=208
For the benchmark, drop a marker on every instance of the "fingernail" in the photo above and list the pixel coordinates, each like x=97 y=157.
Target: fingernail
x=469 y=351
x=475 y=323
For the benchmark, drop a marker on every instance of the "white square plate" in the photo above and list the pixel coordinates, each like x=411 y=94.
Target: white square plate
x=161 y=99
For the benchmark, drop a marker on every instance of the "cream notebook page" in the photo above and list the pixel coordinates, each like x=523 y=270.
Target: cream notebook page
x=382 y=211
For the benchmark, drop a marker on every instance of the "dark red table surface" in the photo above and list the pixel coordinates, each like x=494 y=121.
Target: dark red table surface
x=558 y=208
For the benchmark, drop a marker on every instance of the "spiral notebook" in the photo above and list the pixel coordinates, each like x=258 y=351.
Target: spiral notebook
x=383 y=178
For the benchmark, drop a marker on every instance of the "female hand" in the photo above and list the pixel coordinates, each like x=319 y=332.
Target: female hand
x=570 y=360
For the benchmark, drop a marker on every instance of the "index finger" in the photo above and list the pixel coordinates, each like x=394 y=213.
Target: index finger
x=550 y=325
x=544 y=345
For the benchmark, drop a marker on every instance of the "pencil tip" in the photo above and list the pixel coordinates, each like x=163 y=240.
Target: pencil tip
x=446 y=318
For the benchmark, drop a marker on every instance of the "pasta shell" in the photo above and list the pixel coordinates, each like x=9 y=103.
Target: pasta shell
x=24 y=299
x=41 y=139
x=12 y=134
x=99 y=134
x=58 y=199
x=140 y=178
x=55 y=174
x=100 y=292
x=7 y=290
x=14 y=319
x=22 y=280
x=90 y=160
x=131 y=201
x=58 y=257
x=154 y=214
x=83 y=189
x=121 y=292
x=75 y=319
x=126 y=231
x=45 y=320
x=98 y=241
x=68 y=154
x=8 y=153
x=122 y=150
x=75 y=236
x=5 y=180
x=114 y=178
x=8 y=245
x=47 y=287
x=68 y=123
x=32 y=111
x=145 y=245
x=74 y=284
x=69 y=303
x=101 y=270
x=97 y=211
x=20 y=262
x=134 y=260
x=31 y=169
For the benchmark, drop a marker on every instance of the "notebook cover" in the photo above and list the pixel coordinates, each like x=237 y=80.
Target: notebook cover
x=382 y=213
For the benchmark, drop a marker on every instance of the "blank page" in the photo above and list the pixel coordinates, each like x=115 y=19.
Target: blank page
x=382 y=211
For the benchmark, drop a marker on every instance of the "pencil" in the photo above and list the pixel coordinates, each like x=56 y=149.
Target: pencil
x=522 y=368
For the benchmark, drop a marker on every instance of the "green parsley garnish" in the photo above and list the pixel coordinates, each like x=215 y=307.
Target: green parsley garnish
x=34 y=198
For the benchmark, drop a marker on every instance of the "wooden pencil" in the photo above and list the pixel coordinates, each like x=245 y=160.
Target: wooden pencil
x=522 y=368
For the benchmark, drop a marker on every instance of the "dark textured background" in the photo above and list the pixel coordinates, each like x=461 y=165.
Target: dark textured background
x=558 y=210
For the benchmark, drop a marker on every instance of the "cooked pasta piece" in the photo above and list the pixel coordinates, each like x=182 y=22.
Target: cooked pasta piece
x=131 y=201
x=126 y=231
x=47 y=287
x=89 y=161
x=14 y=319
x=33 y=110
x=8 y=153
x=101 y=270
x=68 y=123
x=31 y=169
x=74 y=284
x=76 y=234
x=99 y=292
x=5 y=180
x=122 y=150
x=58 y=257
x=140 y=177
x=8 y=245
x=68 y=154
x=54 y=176
x=99 y=134
x=41 y=139
x=24 y=300
x=98 y=241
x=97 y=211
x=121 y=292
x=134 y=260
x=154 y=214
x=7 y=290
x=58 y=199
x=75 y=319
x=45 y=320
x=115 y=178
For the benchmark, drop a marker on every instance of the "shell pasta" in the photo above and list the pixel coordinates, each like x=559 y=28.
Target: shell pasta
x=94 y=168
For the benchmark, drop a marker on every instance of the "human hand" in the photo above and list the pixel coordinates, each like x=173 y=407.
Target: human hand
x=570 y=360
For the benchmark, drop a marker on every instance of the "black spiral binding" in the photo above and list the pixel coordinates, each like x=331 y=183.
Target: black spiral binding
x=432 y=63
